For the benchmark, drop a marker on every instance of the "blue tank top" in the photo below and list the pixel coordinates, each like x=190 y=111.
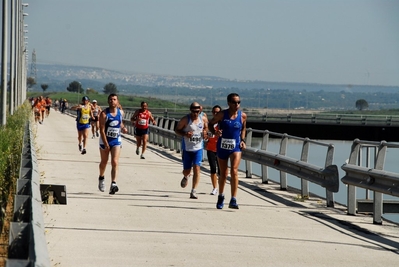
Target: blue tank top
x=113 y=128
x=231 y=132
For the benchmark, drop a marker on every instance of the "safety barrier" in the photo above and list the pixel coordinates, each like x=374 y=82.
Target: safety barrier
x=27 y=243
x=374 y=179
x=326 y=176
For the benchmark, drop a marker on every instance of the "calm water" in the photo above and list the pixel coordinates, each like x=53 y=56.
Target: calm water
x=317 y=155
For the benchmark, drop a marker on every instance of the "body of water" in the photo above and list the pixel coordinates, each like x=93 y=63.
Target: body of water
x=317 y=156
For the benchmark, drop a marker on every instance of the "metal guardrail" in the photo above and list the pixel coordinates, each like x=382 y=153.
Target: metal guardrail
x=27 y=243
x=375 y=179
x=327 y=176
x=352 y=119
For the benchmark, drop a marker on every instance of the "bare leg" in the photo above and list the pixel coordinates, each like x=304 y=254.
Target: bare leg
x=196 y=176
x=144 y=139
x=223 y=174
x=234 y=161
x=104 y=160
x=115 y=152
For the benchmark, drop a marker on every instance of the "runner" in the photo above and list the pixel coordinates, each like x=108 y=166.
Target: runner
x=95 y=124
x=231 y=132
x=84 y=115
x=111 y=124
x=211 y=153
x=48 y=105
x=194 y=129
x=140 y=120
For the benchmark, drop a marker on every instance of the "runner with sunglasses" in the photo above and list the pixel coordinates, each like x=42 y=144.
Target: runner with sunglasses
x=194 y=129
x=231 y=132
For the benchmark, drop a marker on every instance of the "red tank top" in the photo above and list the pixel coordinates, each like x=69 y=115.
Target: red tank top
x=211 y=144
x=142 y=120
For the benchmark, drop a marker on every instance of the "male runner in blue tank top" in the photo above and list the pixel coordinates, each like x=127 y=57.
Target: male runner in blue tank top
x=111 y=125
x=231 y=132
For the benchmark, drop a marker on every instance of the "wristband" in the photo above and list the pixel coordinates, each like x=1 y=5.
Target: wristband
x=242 y=140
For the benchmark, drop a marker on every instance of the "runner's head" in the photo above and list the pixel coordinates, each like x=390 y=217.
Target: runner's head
x=94 y=102
x=85 y=99
x=144 y=105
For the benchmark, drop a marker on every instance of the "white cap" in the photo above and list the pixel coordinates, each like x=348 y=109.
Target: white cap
x=94 y=101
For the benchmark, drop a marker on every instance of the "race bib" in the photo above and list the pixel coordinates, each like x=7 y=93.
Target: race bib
x=228 y=144
x=142 y=122
x=113 y=132
x=195 y=138
x=84 y=119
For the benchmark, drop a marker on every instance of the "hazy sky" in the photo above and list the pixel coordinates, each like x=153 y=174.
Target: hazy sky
x=317 y=41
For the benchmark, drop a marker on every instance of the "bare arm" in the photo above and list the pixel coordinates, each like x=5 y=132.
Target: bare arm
x=243 y=130
x=102 y=121
x=218 y=117
x=179 y=130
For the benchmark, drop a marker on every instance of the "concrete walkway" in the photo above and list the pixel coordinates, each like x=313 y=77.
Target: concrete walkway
x=152 y=221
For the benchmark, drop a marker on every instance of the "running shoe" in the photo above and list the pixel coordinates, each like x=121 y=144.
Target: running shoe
x=183 y=182
x=101 y=184
x=93 y=137
x=193 y=195
x=80 y=147
x=97 y=134
x=113 y=189
x=214 y=191
x=84 y=151
x=137 y=151
x=142 y=156
x=233 y=203
x=220 y=203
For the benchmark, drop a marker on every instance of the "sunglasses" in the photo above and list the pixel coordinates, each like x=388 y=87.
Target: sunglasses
x=195 y=111
x=235 y=102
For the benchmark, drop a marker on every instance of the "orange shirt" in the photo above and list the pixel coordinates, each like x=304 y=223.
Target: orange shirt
x=212 y=140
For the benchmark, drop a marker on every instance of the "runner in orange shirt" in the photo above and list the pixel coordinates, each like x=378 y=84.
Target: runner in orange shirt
x=211 y=152
x=48 y=105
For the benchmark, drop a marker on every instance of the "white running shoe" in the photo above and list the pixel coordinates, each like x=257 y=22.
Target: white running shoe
x=214 y=191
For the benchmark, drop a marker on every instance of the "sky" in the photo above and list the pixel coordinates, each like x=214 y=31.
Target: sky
x=313 y=41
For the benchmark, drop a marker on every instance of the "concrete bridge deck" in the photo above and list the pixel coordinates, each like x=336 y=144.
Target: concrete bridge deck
x=152 y=221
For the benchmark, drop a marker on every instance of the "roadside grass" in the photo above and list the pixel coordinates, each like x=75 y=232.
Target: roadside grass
x=11 y=142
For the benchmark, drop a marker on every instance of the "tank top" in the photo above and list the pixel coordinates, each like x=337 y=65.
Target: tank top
x=195 y=142
x=84 y=115
x=142 y=120
x=231 y=132
x=112 y=128
x=95 y=111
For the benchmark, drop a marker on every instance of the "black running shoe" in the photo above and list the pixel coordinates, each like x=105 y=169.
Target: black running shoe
x=113 y=189
x=83 y=151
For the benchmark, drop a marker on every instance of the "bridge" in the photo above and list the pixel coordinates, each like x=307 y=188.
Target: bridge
x=321 y=126
x=152 y=221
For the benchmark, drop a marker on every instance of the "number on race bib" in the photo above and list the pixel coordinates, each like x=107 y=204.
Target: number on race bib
x=228 y=144
x=113 y=132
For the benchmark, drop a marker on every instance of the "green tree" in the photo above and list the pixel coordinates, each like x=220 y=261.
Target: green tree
x=30 y=81
x=110 y=88
x=44 y=87
x=75 y=87
x=361 y=104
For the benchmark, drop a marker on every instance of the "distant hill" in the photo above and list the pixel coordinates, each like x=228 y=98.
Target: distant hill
x=98 y=77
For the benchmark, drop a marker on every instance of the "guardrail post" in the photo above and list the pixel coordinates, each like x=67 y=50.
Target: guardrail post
x=265 y=170
x=304 y=158
x=351 y=195
x=283 y=152
x=329 y=161
x=248 y=163
x=172 y=143
x=377 y=199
